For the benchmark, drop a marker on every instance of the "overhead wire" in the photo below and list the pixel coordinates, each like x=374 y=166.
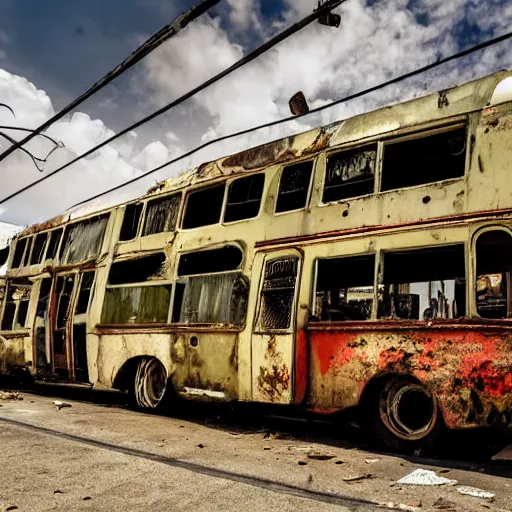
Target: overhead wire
x=270 y=124
x=320 y=11
x=165 y=33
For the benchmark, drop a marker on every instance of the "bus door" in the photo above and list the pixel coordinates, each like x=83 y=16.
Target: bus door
x=275 y=326
x=68 y=321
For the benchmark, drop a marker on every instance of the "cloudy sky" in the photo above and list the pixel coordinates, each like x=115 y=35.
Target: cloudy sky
x=52 y=51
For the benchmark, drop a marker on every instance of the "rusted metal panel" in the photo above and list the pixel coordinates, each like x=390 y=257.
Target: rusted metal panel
x=467 y=367
x=274 y=376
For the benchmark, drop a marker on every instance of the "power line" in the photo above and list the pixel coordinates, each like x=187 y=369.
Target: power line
x=147 y=47
x=345 y=99
x=322 y=10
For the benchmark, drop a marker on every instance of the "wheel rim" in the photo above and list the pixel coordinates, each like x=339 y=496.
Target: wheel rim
x=150 y=383
x=408 y=410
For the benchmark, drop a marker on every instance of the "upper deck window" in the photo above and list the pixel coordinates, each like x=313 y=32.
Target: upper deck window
x=493 y=274
x=294 y=187
x=131 y=220
x=37 y=254
x=244 y=198
x=53 y=244
x=204 y=207
x=349 y=174
x=83 y=240
x=423 y=284
x=344 y=288
x=424 y=160
x=161 y=215
x=19 y=252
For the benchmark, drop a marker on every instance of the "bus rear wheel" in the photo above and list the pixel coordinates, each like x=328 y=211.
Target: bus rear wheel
x=406 y=415
x=150 y=384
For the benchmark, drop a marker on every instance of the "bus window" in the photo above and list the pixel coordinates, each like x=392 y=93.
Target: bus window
x=135 y=292
x=294 y=187
x=53 y=245
x=16 y=306
x=244 y=198
x=208 y=291
x=344 y=288
x=493 y=272
x=19 y=251
x=349 y=174
x=423 y=284
x=277 y=294
x=82 y=303
x=204 y=207
x=82 y=241
x=424 y=159
x=161 y=215
x=38 y=249
x=131 y=219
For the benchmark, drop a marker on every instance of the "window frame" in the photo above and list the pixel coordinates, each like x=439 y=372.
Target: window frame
x=181 y=218
x=226 y=194
x=474 y=238
x=314 y=166
x=139 y=226
x=156 y=282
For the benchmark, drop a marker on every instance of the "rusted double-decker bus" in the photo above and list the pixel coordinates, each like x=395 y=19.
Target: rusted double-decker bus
x=366 y=264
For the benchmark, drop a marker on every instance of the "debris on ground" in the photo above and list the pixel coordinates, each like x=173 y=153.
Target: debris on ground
x=444 y=504
x=200 y=445
x=476 y=493
x=358 y=478
x=504 y=454
x=402 y=506
x=10 y=395
x=371 y=461
x=5 y=508
x=425 y=477
x=320 y=455
x=60 y=404
x=302 y=463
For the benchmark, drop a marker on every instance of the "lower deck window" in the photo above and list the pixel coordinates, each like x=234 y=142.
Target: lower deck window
x=344 y=288
x=423 y=284
x=16 y=307
x=493 y=271
x=211 y=299
x=136 y=305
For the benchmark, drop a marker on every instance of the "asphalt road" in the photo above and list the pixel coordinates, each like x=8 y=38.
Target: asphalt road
x=97 y=456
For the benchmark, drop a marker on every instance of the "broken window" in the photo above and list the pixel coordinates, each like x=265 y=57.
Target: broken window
x=83 y=240
x=424 y=160
x=424 y=284
x=222 y=259
x=147 y=268
x=136 y=304
x=16 y=306
x=208 y=291
x=277 y=295
x=349 y=174
x=294 y=187
x=212 y=299
x=19 y=252
x=204 y=207
x=344 y=288
x=44 y=297
x=84 y=294
x=64 y=291
x=131 y=219
x=493 y=274
x=53 y=244
x=244 y=198
x=37 y=254
x=161 y=215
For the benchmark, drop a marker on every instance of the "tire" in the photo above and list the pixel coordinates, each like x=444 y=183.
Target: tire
x=405 y=416
x=150 y=385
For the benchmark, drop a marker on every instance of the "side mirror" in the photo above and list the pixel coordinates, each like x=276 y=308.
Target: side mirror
x=298 y=104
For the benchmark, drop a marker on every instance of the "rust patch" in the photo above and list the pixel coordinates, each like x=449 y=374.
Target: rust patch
x=320 y=143
x=262 y=156
x=49 y=224
x=274 y=378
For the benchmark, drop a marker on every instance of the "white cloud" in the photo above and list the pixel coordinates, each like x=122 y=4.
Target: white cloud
x=374 y=43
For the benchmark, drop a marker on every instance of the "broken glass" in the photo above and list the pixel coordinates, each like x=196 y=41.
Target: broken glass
x=161 y=215
x=294 y=187
x=83 y=240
